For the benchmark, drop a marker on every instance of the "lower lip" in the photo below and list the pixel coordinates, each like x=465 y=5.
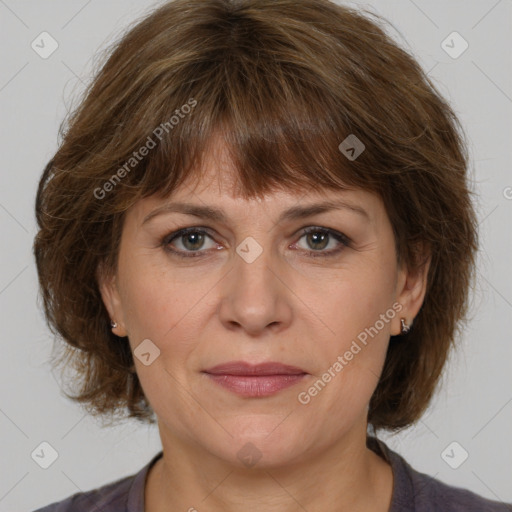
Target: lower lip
x=256 y=386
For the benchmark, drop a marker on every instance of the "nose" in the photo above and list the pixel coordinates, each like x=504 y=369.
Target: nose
x=255 y=295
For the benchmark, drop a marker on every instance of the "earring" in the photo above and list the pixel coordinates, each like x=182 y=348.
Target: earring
x=404 y=328
x=113 y=324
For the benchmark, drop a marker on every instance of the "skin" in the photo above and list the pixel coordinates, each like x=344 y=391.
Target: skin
x=285 y=306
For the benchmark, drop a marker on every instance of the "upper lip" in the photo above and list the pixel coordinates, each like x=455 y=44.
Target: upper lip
x=244 y=368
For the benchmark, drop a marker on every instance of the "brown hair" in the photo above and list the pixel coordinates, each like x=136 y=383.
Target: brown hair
x=284 y=83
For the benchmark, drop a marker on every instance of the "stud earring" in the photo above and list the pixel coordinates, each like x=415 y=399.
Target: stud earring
x=113 y=324
x=404 y=328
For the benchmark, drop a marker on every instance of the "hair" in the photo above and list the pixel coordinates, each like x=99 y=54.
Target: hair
x=284 y=83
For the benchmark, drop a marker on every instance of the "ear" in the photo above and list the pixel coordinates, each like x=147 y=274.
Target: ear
x=111 y=299
x=412 y=287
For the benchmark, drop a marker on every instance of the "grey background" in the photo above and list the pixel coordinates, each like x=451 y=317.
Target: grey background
x=474 y=404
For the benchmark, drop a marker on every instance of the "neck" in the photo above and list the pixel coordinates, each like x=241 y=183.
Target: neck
x=348 y=474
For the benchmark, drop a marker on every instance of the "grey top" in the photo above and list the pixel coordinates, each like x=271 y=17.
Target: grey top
x=412 y=492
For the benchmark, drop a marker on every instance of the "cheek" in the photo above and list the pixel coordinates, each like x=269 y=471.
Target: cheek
x=351 y=359
x=151 y=298
x=163 y=306
x=152 y=306
x=357 y=309
x=355 y=300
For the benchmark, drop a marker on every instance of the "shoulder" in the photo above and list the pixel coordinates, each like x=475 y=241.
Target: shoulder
x=111 y=497
x=419 y=492
x=123 y=495
x=432 y=494
x=108 y=498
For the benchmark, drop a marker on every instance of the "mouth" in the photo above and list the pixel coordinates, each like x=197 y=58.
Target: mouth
x=255 y=381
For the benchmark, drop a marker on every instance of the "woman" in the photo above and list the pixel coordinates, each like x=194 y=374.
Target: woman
x=258 y=233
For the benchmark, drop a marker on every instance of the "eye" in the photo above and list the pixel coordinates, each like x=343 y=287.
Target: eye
x=191 y=239
x=319 y=238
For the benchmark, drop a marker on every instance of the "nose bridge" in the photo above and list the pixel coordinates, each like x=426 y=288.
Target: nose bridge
x=252 y=268
x=250 y=249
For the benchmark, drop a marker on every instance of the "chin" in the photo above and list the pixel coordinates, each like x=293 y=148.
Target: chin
x=263 y=442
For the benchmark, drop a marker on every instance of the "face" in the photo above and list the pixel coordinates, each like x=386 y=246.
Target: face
x=319 y=292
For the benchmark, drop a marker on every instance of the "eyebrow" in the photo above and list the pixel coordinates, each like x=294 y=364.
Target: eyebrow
x=218 y=215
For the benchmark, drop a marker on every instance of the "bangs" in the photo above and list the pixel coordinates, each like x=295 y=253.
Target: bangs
x=273 y=144
x=282 y=128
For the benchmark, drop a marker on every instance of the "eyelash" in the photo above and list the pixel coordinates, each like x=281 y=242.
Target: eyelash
x=344 y=241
